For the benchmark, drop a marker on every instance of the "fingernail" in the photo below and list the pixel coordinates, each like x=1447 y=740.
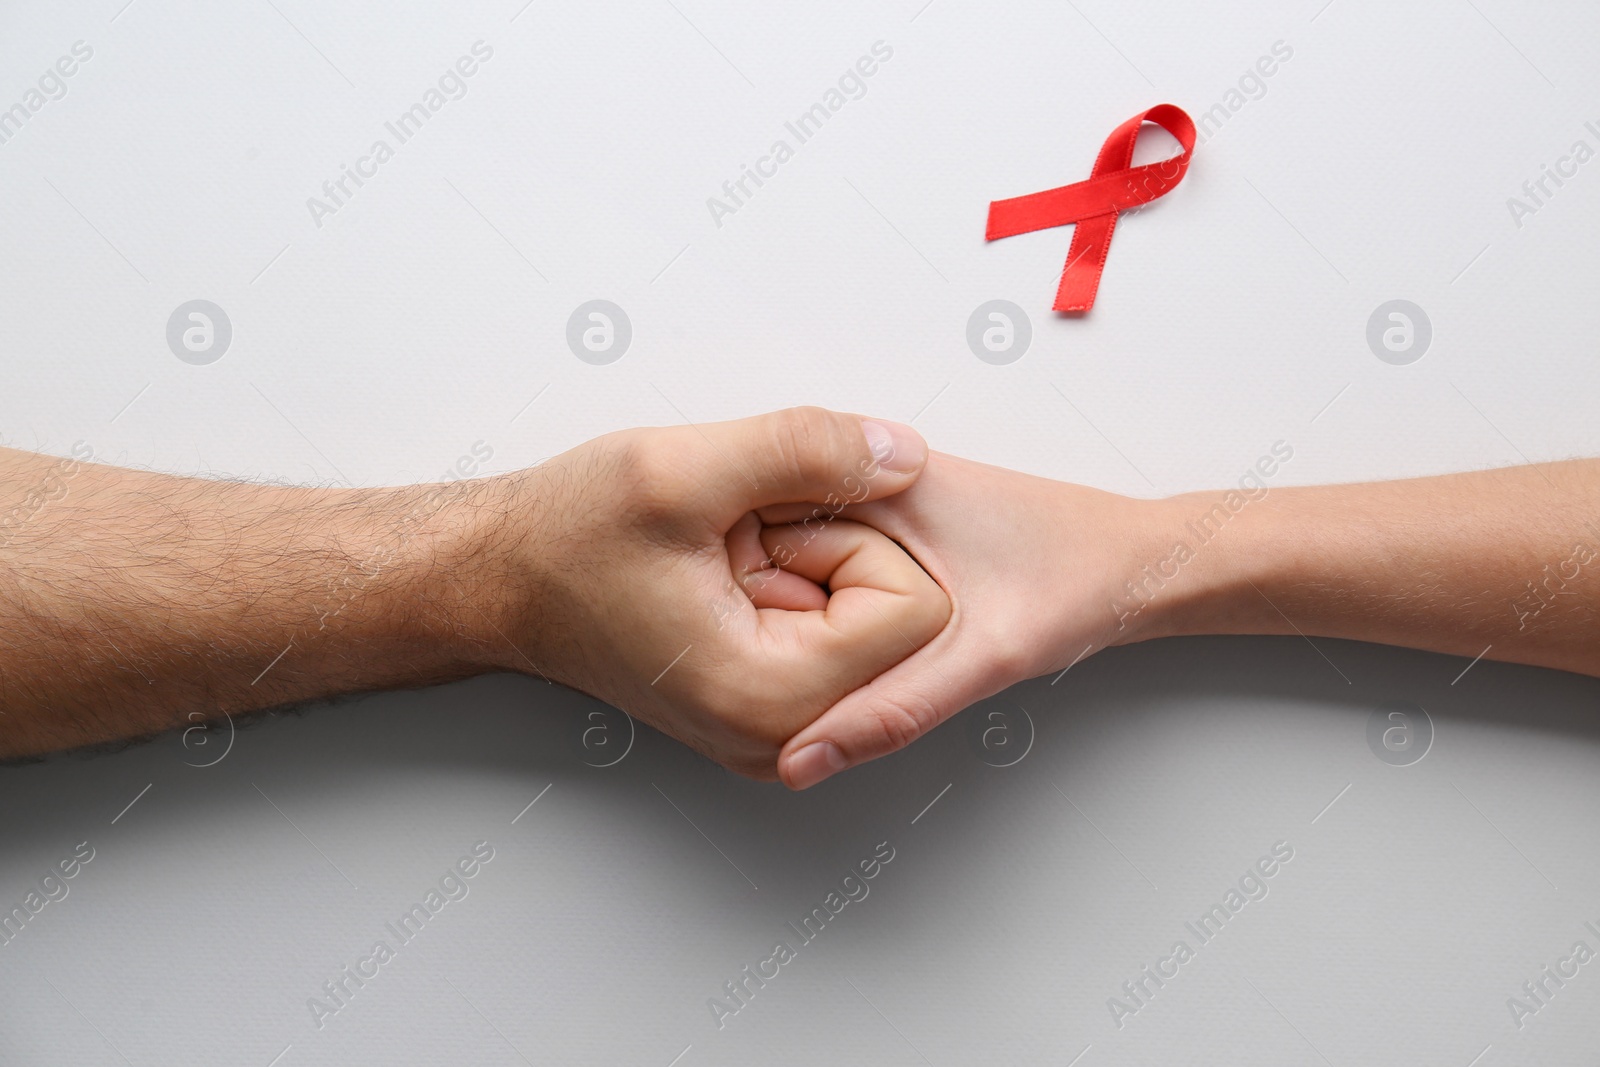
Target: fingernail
x=818 y=760
x=896 y=447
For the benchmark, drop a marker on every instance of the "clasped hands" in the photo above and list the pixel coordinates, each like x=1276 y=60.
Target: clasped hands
x=792 y=594
x=800 y=592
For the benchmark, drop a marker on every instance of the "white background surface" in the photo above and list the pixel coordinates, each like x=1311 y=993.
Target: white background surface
x=426 y=314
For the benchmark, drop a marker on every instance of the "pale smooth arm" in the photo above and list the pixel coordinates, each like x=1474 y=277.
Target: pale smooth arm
x=1042 y=574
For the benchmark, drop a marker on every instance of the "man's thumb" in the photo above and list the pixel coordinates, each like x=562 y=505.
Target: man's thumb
x=819 y=456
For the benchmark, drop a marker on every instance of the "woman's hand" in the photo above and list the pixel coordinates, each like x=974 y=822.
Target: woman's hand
x=1036 y=571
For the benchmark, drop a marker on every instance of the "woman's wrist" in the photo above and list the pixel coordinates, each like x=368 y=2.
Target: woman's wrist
x=1217 y=550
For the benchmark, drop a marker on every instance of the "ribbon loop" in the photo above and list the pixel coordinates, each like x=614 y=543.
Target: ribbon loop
x=1113 y=186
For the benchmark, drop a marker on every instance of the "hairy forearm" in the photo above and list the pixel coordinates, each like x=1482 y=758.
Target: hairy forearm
x=1504 y=560
x=131 y=601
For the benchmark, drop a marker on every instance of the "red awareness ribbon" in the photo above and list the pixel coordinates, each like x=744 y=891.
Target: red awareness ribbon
x=1093 y=204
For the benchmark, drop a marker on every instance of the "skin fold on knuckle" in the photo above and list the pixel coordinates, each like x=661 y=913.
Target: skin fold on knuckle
x=816 y=444
x=893 y=725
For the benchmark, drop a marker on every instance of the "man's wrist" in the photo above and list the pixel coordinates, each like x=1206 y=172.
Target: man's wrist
x=468 y=592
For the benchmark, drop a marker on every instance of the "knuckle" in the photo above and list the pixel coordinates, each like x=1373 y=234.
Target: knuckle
x=814 y=443
x=898 y=724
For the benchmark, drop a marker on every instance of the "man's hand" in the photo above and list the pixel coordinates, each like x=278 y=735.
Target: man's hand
x=636 y=573
x=630 y=567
